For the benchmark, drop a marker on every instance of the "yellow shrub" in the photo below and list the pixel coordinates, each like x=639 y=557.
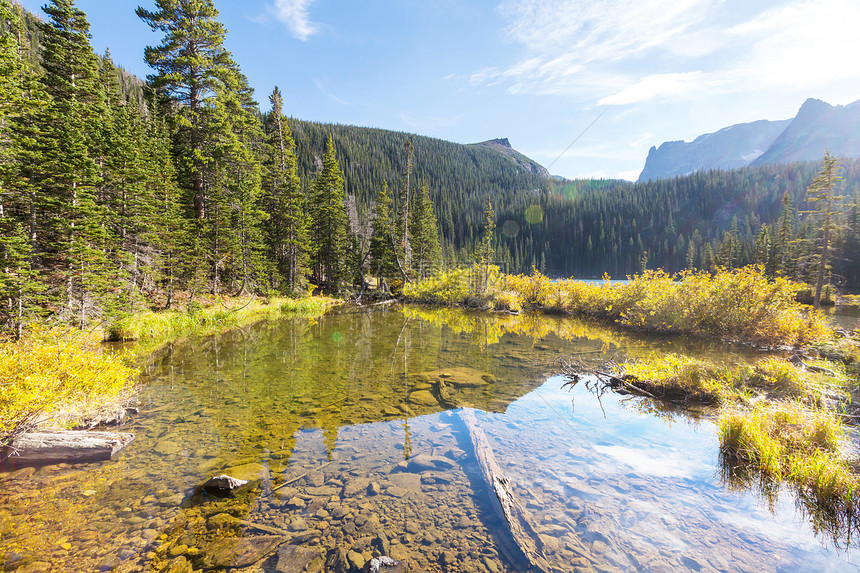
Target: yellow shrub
x=54 y=369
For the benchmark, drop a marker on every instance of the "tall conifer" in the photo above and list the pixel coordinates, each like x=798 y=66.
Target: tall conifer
x=329 y=221
x=287 y=224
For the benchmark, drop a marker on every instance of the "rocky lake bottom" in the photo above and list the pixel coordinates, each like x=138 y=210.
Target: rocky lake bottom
x=350 y=430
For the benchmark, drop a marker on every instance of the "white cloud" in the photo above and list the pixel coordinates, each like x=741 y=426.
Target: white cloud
x=653 y=86
x=622 y=52
x=805 y=44
x=294 y=13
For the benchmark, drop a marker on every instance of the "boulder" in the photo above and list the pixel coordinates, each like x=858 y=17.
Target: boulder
x=223 y=484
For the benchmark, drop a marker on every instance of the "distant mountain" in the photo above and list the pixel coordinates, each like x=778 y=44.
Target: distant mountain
x=730 y=148
x=817 y=126
x=503 y=146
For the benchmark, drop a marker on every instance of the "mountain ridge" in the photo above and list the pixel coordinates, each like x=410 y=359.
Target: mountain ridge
x=816 y=127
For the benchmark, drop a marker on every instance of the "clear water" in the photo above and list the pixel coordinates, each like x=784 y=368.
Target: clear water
x=339 y=423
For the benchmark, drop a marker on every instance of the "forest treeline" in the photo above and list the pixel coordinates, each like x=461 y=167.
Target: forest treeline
x=118 y=194
x=759 y=215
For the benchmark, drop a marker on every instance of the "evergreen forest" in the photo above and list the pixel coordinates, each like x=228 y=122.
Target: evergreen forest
x=119 y=194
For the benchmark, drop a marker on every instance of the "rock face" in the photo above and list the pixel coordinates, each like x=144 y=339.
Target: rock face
x=817 y=126
x=503 y=146
x=730 y=148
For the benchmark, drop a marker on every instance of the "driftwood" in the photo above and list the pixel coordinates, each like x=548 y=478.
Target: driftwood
x=300 y=476
x=798 y=362
x=72 y=446
x=573 y=369
x=528 y=544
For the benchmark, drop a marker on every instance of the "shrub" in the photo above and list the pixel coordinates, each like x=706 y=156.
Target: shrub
x=54 y=371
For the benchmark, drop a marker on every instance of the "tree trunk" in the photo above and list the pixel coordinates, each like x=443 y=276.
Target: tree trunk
x=528 y=545
x=64 y=447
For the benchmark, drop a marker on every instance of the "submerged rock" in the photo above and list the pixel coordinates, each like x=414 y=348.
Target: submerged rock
x=223 y=484
x=239 y=552
x=295 y=559
x=423 y=398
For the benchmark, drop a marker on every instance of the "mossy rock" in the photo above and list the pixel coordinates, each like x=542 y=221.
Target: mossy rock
x=238 y=552
x=423 y=398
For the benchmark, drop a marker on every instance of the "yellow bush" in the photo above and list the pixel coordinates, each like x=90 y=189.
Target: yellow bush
x=741 y=304
x=51 y=370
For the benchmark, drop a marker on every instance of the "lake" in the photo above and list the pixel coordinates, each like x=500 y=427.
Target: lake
x=353 y=451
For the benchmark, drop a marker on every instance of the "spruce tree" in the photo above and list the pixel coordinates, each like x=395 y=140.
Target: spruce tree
x=20 y=97
x=404 y=248
x=190 y=64
x=77 y=236
x=382 y=244
x=424 y=234
x=485 y=248
x=328 y=222
x=217 y=134
x=822 y=194
x=287 y=224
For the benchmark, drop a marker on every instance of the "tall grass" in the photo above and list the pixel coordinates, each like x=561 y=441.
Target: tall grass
x=788 y=441
x=57 y=376
x=680 y=377
x=172 y=324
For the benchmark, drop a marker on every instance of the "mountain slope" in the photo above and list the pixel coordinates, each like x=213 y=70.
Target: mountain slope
x=816 y=127
x=460 y=177
x=503 y=146
x=730 y=148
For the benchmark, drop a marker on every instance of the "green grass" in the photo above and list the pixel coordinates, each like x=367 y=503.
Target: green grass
x=173 y=324
x=680 y=377
x=789 y=442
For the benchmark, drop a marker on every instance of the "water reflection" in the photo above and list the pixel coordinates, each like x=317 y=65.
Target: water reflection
x=343 y=425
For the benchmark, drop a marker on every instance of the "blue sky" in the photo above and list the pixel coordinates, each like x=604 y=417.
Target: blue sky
x=538 y=72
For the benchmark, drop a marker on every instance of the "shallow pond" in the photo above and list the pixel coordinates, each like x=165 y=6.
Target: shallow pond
x=351 y=430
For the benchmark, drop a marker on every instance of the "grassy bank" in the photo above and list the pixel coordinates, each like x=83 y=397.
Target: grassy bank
x=681 y=378
x=739 y=304
x=778 y=422
x=789 y=442
x=60 y=377
x=216 y=316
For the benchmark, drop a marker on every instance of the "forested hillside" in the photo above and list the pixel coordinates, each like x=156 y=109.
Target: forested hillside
x=729 y=218
x=460 y=177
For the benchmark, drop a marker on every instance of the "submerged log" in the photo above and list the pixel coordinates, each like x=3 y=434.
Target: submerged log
x=528 y=544
x=71 y=446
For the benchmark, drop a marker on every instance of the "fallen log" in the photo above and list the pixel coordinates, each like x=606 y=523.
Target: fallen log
x=71 y=446
x=528 y=545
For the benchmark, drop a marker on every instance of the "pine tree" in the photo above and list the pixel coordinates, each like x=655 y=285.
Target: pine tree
x=76 y=233
x=19 y=99
x=287 y=224
x=217 y=133
x=190 y=64
x=382 y=244
x=485 y=249
x=329 y=222
x=822 y=194
x=404 y=247
x=424 y=234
